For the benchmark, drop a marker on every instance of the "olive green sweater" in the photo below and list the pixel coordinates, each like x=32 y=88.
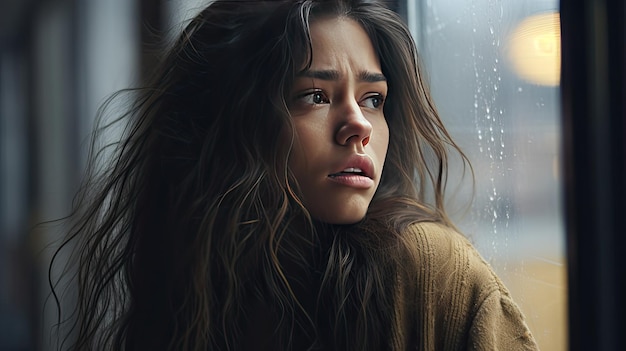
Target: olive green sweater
x=457 y=302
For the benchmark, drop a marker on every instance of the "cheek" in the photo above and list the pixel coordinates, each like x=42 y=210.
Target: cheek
x=308 y=141
x=301 y=151
x=380 y=138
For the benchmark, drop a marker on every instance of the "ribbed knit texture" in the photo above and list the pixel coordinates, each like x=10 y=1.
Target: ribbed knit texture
x=455 y=301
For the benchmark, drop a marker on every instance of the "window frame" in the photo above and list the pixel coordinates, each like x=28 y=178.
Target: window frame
x=594 y=126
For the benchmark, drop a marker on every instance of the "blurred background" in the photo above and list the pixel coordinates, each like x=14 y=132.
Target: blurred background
x=494 y=71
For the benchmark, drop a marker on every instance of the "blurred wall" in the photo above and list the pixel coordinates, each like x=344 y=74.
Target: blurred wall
x=59 y=60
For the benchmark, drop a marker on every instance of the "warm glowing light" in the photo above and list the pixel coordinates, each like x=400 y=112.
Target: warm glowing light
x=535 y=49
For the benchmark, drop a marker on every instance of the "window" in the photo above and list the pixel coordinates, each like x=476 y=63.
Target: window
x=493 y=67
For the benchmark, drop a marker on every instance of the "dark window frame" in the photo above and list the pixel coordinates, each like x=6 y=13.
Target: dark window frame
x=594 y=144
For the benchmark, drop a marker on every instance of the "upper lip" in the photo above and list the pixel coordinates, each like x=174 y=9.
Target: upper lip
x=362 y=162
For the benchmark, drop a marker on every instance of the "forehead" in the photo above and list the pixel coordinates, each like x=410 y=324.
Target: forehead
x=341 y=41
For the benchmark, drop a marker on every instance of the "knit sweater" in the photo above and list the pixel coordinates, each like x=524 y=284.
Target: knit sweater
x=448 y=299
x=456 y=301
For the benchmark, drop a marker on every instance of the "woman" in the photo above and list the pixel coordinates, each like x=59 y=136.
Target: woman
x=247 y=206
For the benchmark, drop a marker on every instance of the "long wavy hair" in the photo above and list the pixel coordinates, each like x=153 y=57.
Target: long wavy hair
x=191 y=233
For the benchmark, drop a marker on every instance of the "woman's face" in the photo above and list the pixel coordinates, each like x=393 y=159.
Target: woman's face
x=341 y=131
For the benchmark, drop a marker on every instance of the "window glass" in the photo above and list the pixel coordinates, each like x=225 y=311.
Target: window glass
x=493 y=67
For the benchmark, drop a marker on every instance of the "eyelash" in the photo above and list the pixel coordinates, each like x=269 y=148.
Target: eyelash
x=379 y=97
x=310 y=98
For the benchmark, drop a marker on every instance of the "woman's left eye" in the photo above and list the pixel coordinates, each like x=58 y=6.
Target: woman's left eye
x=374 y=101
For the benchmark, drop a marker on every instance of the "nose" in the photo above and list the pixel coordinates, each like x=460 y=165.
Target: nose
x=353 y=128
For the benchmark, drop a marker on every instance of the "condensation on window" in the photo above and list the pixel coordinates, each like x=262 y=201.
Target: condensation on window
x=493 y=67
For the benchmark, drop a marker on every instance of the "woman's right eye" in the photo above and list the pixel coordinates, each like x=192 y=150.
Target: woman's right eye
x=314 y=98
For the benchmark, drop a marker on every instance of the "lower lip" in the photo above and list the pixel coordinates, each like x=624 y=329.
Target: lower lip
x=354 y=181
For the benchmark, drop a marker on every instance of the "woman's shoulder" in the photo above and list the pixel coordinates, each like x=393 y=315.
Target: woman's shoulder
x=460 y=297
x=445 y=255
x=442 y=239
x=436 y=233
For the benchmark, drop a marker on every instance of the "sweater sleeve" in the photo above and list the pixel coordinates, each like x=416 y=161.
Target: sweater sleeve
x=499 y=325
x=463 y=303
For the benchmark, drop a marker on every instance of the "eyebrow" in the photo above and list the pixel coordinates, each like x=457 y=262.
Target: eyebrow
x=363 y=76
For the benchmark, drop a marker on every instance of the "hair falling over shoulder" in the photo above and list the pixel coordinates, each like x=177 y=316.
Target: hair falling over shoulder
x=189 y=233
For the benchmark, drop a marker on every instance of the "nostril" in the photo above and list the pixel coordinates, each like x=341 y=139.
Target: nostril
x=355 y=138
x=350 y=139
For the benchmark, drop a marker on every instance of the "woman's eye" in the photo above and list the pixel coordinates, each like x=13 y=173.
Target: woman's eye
x=315 y=98
x=374 y=101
